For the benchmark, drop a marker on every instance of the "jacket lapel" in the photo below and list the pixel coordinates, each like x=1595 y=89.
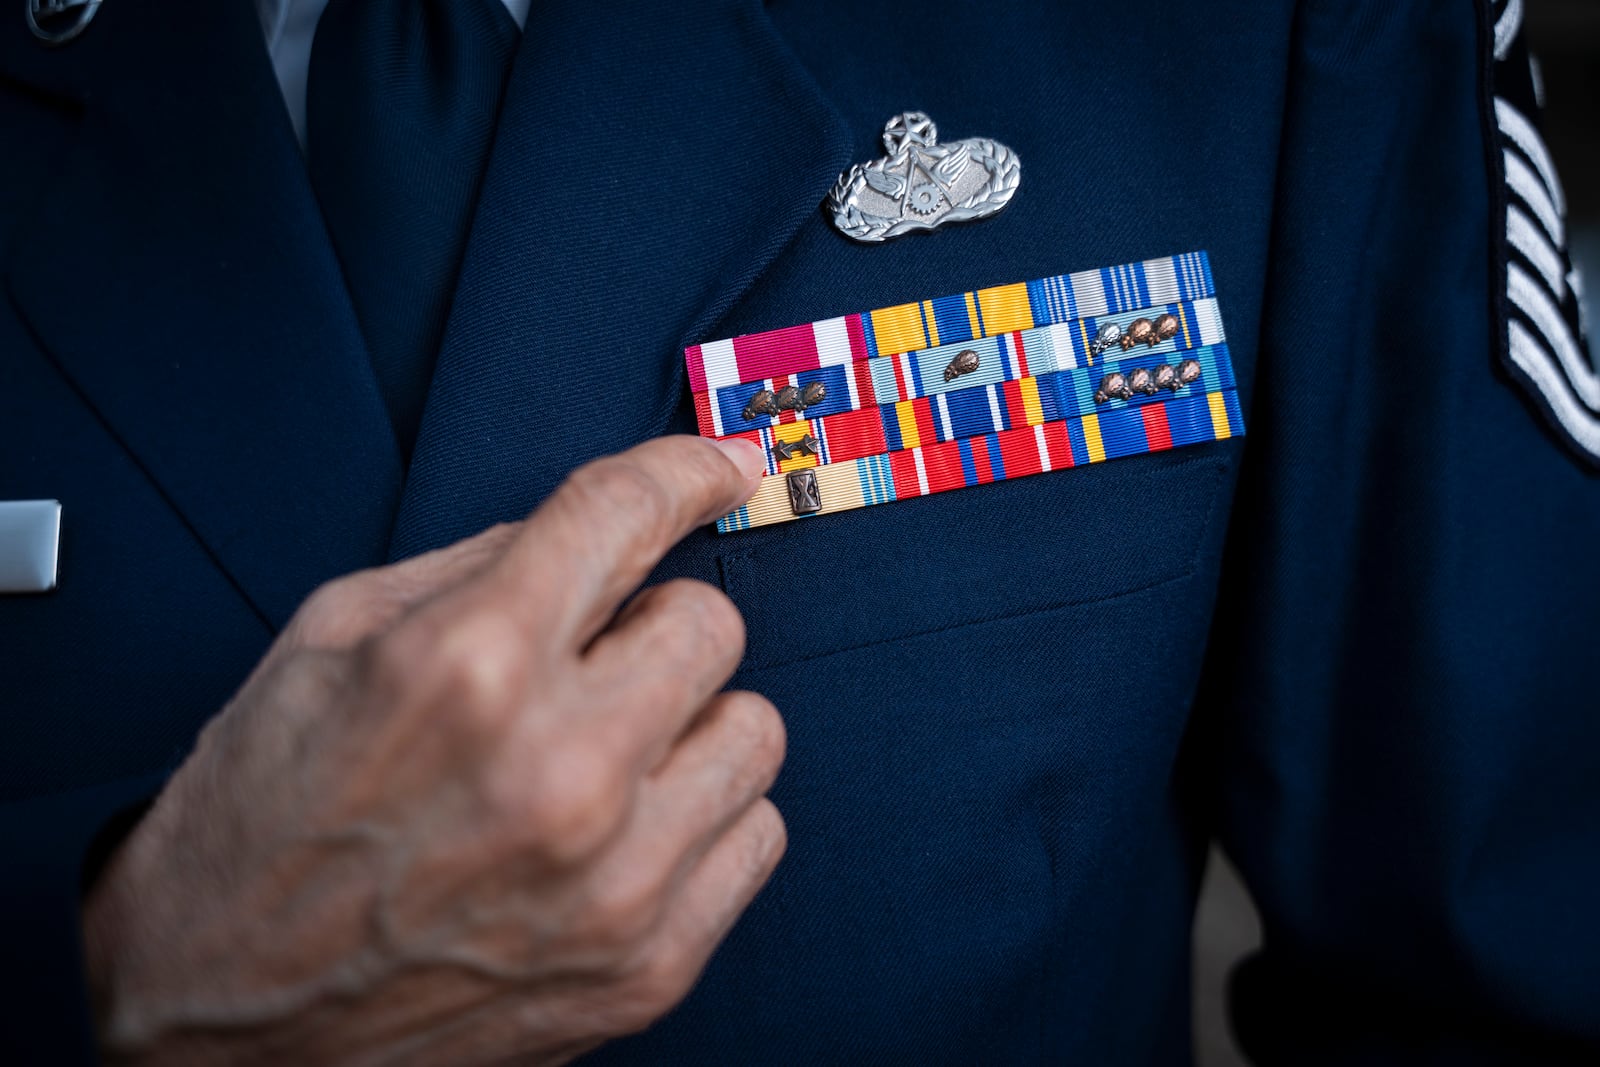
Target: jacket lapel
x=178 y=272
x=645 y=171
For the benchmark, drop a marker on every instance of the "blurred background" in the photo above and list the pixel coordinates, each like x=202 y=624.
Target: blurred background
x=1564 y=36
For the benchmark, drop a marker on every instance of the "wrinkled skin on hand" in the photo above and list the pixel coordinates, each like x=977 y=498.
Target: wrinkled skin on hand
x=465 y=809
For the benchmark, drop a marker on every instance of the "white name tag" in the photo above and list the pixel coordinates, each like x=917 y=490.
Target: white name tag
x=30 y=539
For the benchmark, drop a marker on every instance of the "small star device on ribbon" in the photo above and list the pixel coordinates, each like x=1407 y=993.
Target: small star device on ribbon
x=978 y=387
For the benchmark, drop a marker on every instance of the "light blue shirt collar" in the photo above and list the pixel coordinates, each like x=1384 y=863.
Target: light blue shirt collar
x=290 y=25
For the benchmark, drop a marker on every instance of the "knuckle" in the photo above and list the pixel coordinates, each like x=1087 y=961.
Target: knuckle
x=760 y=841
x=625 y=910
x=391 y=661
x=333 y=611
x=770 y=832
x=757 y=727
x=652 y=985
x=476 y=667
x=719 y=619
x=568 y=805
x=702 y=619
x=329 y=597
x=481 y=661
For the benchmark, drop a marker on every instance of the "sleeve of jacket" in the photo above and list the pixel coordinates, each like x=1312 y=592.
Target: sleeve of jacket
x=1403 y=669
x=50 y=847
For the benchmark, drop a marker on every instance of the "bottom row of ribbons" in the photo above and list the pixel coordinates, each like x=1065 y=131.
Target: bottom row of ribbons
x=992 y=457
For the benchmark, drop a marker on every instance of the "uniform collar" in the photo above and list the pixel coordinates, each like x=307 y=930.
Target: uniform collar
x=175 y=268
x=290 y=26
x=647 y=169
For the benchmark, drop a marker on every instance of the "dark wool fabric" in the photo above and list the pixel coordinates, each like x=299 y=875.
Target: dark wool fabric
x=1351 y=645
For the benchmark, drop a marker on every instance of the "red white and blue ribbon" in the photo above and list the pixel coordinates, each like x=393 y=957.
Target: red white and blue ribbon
x=893 y=427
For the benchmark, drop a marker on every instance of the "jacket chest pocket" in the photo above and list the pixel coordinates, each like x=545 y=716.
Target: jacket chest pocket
x=881 y=574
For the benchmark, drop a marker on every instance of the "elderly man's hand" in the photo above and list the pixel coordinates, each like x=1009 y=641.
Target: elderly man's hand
x=464 y=810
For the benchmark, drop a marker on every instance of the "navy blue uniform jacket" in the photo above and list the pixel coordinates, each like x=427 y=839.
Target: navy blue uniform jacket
x=1357 y=646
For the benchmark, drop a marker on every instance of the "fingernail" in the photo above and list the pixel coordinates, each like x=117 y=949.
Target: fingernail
x=745 y=455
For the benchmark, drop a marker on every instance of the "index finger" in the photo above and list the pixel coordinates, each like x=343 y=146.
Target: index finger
x=613 y=519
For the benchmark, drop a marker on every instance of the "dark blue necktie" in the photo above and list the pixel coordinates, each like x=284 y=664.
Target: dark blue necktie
x=401 y=101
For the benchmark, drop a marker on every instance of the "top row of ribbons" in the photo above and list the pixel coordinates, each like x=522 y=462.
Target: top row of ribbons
x=949 y=320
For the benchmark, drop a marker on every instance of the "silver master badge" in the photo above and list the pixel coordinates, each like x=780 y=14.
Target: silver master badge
x=922 y=184
x=59 y=21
